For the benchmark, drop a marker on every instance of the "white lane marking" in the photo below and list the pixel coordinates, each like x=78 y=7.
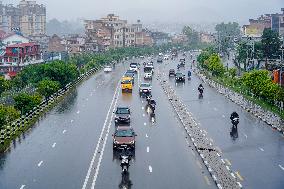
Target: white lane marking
x=71 y=120
x=215 y=109
x=146 y=136
x=40 y=163
x=53 y=145
x=193 y=153
x=64 y=131
x=142 y=107
x=261 y=149
x=150 y=169
x=78 y=111
x=23 y=186
x=245 y=135
x=91 y=94
x=281 y=167
x=104 y=144
x=223 y=116
x=87 y=99
x=142 y=101
x=148 y=149
x=99 y=141
x=145 y=123
x=143 y=115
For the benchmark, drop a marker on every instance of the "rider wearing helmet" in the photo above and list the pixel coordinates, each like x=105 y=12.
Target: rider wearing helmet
x=234 y=115
x=200 y=87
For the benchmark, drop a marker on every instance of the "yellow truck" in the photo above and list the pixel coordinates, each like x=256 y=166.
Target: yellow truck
x=126 y=84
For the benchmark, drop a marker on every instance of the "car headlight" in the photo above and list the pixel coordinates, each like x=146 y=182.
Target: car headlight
x=131 y=142
x=115 y=142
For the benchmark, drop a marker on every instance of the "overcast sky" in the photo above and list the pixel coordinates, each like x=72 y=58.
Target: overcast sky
x=190 y=11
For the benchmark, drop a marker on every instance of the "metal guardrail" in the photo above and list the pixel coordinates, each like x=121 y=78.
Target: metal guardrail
x=221 y=173
x=7 y=132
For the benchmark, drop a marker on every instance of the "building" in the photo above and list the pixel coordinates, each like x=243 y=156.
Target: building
x=55 y=44
x=13 y=38
x=110 y=32
x=180 y=39
x=206 y=38
x=28 y=17
x=256 y=26
x=21 y=53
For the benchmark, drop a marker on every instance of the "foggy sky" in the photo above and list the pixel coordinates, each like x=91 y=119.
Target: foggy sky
x=188 y=11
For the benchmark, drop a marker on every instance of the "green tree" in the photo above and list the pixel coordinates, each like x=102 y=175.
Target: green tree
x=4 y=85
x=270 y=43
x=232 y=72
x=47 y=87
x=25 y=102
x=226 y=34
x=8 y=114
x=192 y=35
x=215 y=65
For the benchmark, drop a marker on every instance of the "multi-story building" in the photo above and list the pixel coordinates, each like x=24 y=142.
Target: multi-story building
x=272 y=21
x=28 y=17
x=111 y=31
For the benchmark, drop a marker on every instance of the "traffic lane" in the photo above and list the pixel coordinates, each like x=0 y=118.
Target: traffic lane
x=38 y=146
x=174 y=165
x=254 y=136
x=110 y=171
x=147 y=170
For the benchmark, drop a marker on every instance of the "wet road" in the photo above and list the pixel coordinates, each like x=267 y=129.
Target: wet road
x=71 y=146
x=256 y=154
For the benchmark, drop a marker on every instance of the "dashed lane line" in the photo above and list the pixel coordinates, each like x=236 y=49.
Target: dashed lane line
x=64 y=131
x=281 y=167
x=53 y=145
x=143 y=115
x=245 y=135
x=145 y=123
x=142 y=107
x=150 y=169
x=261 y=149
x=215 y=108
x=23 y=186
x=207 y=180
x=40 y=163
x=71 y=120
x=146 y=136
x=78 y=111
x=239 y=176
x=148 y=149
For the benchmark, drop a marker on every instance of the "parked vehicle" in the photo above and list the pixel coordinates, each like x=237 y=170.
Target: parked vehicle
x=124 y=136
x=160 y=59
x=122 y=115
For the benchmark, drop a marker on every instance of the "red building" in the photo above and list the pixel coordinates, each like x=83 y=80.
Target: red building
x=23 y=52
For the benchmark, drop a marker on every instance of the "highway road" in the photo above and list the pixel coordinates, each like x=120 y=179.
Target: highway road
x=71 y=146
x=256 y=155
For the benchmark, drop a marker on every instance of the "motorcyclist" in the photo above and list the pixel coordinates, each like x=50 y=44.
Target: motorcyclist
x=200 y=88
x=234 y=118
x=189 y=73
x=234 y=115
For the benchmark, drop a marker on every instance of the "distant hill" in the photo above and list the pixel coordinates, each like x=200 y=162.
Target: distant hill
x=54 y=26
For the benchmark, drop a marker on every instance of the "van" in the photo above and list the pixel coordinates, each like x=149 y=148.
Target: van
x=127 y=84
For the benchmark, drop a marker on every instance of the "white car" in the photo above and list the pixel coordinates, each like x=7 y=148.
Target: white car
x=108 y=69
x=133 y=67
x=148 y=75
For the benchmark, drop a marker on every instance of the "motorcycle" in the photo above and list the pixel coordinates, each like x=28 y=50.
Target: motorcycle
x=200 y=92
x=125 y=159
